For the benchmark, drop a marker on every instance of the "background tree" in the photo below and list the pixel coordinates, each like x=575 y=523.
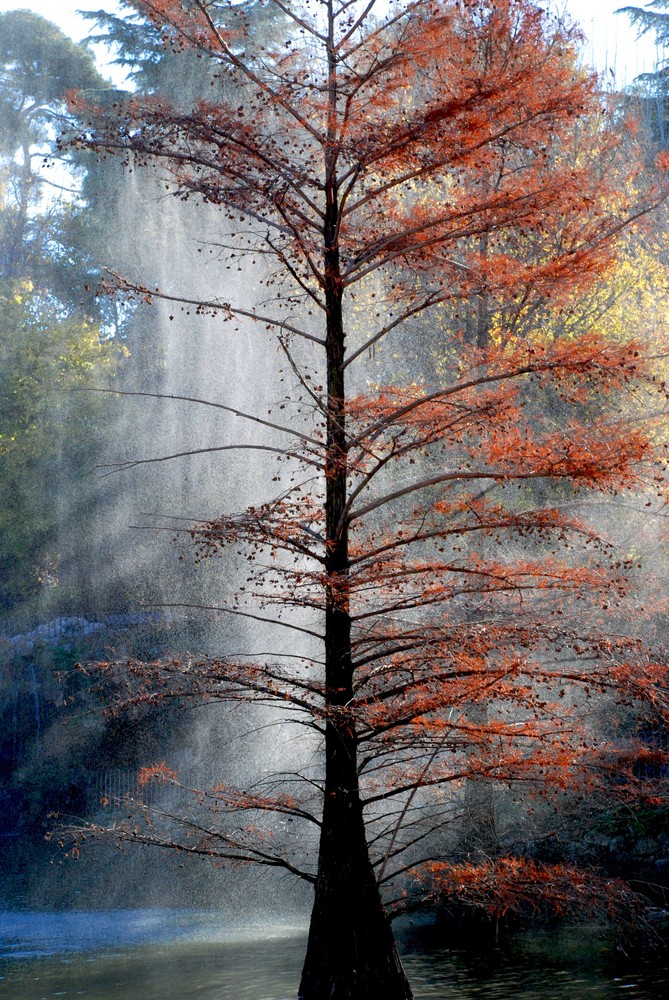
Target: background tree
x=153 y=67
x=39 y=65
x=652 y=87
x=50 y=341
x=47 y=439
x=319 y=165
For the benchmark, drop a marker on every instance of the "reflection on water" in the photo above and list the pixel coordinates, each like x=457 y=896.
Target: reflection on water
x=30 y=934
x=171 y=954
x=211 y=972
x=520 y=976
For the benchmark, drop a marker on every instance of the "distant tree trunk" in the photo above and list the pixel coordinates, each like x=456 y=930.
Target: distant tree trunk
x=478 y=834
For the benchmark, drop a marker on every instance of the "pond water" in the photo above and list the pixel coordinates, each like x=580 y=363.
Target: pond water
x=172 y=954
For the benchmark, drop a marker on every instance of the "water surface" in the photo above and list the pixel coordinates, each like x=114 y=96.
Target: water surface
x=172 y=954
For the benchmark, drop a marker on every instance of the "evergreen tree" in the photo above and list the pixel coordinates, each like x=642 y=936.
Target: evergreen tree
x=53 y=336
x=654 y=86
x=39 y=66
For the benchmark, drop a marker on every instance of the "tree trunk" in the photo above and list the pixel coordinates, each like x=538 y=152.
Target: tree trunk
x=351 y=953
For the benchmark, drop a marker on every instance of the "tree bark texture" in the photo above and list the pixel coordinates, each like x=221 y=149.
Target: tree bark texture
x=351 y=952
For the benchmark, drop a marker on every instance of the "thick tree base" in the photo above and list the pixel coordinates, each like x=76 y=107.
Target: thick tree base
x=353 y=957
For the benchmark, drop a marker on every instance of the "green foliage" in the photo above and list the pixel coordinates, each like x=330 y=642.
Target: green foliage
x=48 y=430
x=636 y=822
x=650 y=18
x=154 y=64
x=652 y=89
x=39 y=66
x=54 y=335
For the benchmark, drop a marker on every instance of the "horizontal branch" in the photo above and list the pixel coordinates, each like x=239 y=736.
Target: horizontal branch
x=211 y=304
x=238 y=611
x=207 y=402
x=521 y=522
x=239 y=853
x=113 y=467
x=443 y=477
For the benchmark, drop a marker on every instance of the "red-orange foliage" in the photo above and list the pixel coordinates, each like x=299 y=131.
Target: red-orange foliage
x=156 y=772
x=515 y=887
x=432 y=150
